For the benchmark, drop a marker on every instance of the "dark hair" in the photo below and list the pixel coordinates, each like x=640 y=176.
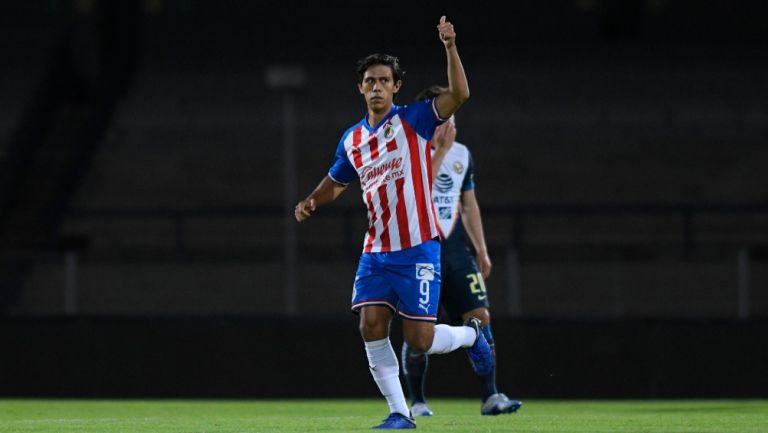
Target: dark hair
x=430 y=92
x=380 y=59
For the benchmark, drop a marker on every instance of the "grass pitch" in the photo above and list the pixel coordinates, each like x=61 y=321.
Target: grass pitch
x=252 y=416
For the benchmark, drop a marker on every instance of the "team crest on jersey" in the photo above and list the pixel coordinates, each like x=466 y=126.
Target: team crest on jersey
x=458 y=167
x=389 y=131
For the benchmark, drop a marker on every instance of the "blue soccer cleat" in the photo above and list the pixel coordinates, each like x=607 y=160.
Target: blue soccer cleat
x=498 y=404
x=480 y=355
x=396 y=421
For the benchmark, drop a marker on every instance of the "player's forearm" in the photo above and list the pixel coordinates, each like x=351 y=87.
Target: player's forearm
x=437 y=161
x=458 y=86
x=458 y=89
x=473 y=223
x=326 y=191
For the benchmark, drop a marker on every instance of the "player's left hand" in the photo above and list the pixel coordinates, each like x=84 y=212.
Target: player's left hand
x=484 y=264
x=444 y=137
x=447 y=34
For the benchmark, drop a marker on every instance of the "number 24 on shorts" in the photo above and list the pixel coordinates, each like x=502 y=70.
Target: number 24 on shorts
x=477 y=285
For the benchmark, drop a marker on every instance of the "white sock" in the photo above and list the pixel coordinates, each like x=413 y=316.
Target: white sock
x=382 y=362
x=449 y=338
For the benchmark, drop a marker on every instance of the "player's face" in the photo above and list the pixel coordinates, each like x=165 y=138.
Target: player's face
x=379 y=87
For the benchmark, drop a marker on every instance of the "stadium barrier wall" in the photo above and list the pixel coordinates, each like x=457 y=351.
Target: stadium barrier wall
x=283 y=357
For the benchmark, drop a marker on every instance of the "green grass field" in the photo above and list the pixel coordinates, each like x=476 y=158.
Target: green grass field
x=235 y=416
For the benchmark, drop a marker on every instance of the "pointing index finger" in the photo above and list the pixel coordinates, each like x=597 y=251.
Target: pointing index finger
x=442 y=19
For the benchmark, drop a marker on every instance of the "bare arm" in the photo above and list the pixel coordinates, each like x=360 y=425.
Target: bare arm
x=458 y=90
x=443 y=139
x=325 y=192
x=470 y=216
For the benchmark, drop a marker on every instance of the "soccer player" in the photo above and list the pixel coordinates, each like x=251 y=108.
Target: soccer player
x=399 y=270
x=462 y=293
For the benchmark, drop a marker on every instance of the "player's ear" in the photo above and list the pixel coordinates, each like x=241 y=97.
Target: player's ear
x=360 y=88
x=398 y=84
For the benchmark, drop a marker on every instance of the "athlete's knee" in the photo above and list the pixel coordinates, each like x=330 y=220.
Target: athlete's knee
x=420 y=343
x=373 y=327
x=372 y=330
x=374 y=323
x=418 y=334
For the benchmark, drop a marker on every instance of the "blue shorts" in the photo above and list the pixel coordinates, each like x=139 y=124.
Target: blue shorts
x=406 y=281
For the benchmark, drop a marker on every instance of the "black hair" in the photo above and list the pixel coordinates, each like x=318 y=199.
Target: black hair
x=380 y=59
x=430 y=92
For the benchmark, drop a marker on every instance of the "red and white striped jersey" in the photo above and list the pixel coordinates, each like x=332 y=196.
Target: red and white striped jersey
x=394 y=166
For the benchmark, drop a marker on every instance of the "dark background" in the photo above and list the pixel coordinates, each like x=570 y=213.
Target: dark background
x=146 y=242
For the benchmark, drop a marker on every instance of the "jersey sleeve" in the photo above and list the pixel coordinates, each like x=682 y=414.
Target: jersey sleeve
x=422 y=115
x=342 y=170
x=469 y=177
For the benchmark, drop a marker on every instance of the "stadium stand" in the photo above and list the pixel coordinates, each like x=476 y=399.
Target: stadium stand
x=617 y=179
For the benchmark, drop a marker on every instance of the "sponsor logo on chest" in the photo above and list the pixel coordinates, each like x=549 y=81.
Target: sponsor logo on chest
x=380 y=172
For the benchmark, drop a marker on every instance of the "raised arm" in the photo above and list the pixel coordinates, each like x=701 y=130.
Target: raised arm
x=458 y=90
x=325 y=192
